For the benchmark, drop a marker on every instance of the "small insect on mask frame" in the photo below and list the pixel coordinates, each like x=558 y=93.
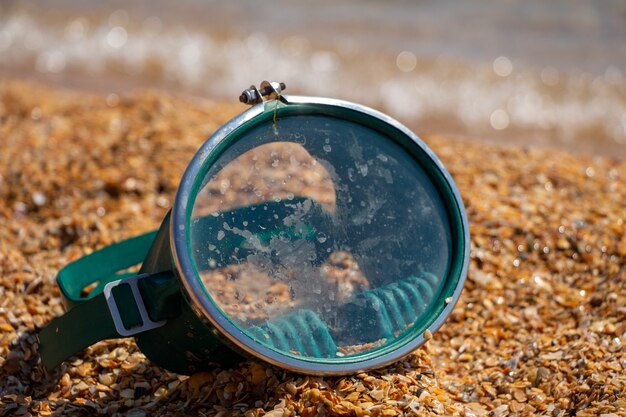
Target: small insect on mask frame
x=314 y=234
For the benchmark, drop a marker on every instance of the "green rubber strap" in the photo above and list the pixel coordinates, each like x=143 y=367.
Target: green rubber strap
x=102 y=267
x=72 y=332
x=88 y=319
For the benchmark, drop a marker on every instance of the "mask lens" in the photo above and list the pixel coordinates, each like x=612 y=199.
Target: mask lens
x=320 y=238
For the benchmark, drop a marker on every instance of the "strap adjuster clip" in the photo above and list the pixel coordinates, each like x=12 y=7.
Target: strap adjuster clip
x=147 y=323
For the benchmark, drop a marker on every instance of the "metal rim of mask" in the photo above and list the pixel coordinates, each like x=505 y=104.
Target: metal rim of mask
x=229 y=332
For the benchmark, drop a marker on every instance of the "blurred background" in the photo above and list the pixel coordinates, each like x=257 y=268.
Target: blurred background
x=530 y=72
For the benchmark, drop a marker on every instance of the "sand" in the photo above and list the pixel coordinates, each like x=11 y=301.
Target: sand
x=539 y=329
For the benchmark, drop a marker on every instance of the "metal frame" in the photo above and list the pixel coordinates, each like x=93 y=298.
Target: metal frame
x=205 y=308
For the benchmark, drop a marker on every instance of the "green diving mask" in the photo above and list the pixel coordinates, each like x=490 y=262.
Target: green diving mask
x=313 y=234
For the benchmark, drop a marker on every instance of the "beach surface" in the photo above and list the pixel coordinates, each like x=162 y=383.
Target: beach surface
x=540 y=328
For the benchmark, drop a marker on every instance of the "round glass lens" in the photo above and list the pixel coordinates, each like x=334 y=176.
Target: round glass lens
x=320 y=238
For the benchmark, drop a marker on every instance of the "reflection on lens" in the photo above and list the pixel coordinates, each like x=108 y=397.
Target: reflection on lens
x=322 y=239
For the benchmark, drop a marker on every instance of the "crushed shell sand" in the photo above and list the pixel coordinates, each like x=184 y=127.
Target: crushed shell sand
x=539 y=330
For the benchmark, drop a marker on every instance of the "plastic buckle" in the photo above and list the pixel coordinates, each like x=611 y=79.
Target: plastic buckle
x=147 y=324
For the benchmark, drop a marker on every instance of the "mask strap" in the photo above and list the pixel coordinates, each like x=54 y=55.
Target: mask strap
x=114 y=307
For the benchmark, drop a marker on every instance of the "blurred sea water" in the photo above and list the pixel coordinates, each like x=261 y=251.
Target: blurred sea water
x=532 y=72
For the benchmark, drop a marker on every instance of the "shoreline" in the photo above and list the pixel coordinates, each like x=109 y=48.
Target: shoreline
x=120 y=86
x=553 y=76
